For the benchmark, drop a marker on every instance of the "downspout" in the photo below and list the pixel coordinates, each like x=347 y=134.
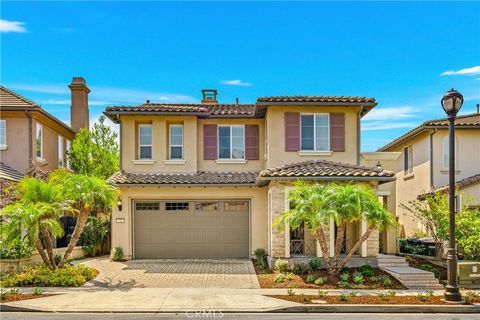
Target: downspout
x=358 y=136
x=120 y=124
x=431 y=157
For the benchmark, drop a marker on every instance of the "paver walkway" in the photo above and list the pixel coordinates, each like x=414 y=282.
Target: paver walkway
x=173 y=273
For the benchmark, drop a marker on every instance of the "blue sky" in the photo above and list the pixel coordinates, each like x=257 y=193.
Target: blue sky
x=166 y=52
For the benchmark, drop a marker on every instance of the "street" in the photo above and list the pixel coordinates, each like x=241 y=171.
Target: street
x=206 y=315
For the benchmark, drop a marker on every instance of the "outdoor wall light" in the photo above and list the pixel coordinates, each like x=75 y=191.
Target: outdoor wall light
x=379 y=166
x=119 y=204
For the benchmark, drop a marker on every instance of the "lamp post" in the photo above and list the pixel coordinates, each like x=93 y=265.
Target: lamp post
x=452 y=102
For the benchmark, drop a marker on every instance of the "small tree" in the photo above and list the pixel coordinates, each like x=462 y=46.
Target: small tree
x=314 y=205
x=95 y=152
x=432 y=212
x=468 y=232
x=87 y=193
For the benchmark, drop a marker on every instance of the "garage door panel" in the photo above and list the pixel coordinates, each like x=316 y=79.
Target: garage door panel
x=193 y=233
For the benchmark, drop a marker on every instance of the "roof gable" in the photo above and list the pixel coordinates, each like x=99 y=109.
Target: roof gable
x=11 y=99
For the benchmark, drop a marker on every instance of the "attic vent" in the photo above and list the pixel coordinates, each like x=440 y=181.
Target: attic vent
x=209 y=96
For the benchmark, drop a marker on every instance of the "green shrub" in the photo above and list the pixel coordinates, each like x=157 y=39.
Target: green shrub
x=385 y=280
x=94 y=235
x=116 y=254
x=421 y=296
x=281 y=265
x=322 y=293
x=260 y=254
x=3 y=294
x=40 y=275
x=343 y=284
x=289 y=276
x=14 y=291
x=345 y=276
x=367 y=270
x=320 y=280
x=300 y=268
x=305 y=298
x=470 y=296
x=17 y=249
x=290 y=292
x=429 y=293
x=353 y=293
x=37 y=291
x=280 y=277
x=373 y=279
x=343 y=297
x=315 y=264
x=358 y=279
x=311 y=278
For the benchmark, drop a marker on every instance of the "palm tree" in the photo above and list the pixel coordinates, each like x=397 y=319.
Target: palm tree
x=87 y=194
x=315 y=205
x=41 y=204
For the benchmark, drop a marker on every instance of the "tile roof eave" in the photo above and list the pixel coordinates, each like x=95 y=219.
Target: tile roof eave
x=329 y=178
x=254 y=184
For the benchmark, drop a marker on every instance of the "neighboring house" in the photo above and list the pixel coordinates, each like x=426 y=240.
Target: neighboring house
x=208 y=180
x=423 y=164
x=30 y=134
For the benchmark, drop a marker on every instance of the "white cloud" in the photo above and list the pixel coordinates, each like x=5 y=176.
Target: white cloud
x=12 y=26
x=67 y=102
x=390 y=113
x=463 y=72
x=381 y=125
x=239 y=83
x=48 y=88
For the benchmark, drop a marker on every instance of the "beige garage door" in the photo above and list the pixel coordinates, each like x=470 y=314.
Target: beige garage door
x=191 y=229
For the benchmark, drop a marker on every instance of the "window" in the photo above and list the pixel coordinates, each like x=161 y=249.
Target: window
x=61 y=153
x=3 y=134
x=206 y=206
x=236 y=206
x=446 y=153
x=145 y=141
x=68 y=153
x=147 y=205
x=231 y=142
x=408 y=160
x=315 y=132
x=39 y=142
x=176 y=206
x=176 y=141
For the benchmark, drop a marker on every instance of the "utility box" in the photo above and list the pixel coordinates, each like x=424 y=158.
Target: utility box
x=468 y=272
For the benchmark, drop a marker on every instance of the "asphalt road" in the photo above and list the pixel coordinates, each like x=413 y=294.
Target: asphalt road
x=263 y=316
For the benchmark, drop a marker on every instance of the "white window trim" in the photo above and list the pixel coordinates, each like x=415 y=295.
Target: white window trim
x=174 y=161
x=37 y=126
x=227 y=160
x=4 y=146
x=145 y=145
x=408 y=172
x=143 y=161
x=446 y=168
x=314 y=153
x=315 y=133
x=231 y=161
x=60 y=142
x=170 y=145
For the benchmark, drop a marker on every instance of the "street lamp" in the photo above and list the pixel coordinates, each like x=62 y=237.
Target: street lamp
x=452 y=102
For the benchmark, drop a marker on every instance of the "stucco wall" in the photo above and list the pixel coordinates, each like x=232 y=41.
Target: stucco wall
x=16 y=153
x=122 y=232
x=276 y=153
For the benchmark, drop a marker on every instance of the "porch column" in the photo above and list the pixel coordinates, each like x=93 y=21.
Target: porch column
x=364 y=244
x=331 y=242
x=287 y=191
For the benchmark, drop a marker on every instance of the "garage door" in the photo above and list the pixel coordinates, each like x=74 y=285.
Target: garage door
x=191 y=229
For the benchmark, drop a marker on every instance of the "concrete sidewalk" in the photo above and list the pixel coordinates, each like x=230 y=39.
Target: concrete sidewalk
x=171 y=299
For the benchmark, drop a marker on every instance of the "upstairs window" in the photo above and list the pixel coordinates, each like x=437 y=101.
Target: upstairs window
x=61 y=153
x=69 y=144
x=3 y=134
x=408 y=160
x=231 y=142
x=446 y=153
x=145 y=141
x=315 y=132
x=39 y=141
x=176 y=141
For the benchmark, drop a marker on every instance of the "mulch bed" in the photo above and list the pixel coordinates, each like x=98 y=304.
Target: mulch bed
x=266 y=280
x=23 y=296
x=416 y=262
x=307 y=299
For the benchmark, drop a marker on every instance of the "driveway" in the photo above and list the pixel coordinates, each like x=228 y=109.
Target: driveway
x=173 y=273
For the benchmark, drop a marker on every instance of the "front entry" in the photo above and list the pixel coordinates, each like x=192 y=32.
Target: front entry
x=182 y=229
x=297 y=241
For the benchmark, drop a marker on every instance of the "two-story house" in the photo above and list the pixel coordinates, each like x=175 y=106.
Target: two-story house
x=422 y=166
x=208 y=180
x=29 y=134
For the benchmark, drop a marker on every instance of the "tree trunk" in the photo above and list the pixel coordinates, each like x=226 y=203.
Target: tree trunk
x=79 y=226
x=48 y=246
x=341 y=229
x=43 y=255
x=355 y=248
x=324 y=246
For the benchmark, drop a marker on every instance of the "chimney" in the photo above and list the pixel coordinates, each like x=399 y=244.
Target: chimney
x=209 y=96
x=79 y=115
x=478 y=108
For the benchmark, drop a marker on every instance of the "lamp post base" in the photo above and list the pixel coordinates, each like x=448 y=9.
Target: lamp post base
x=452 y=294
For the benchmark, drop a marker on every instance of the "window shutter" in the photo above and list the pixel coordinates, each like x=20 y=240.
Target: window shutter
x=292 y=131
x=3 y=132
x=251 y=142
x=337 y=131
x=210 y=142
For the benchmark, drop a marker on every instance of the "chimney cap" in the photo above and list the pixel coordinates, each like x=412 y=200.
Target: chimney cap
x=79 y=80
x=209 y=96
x=79 y=83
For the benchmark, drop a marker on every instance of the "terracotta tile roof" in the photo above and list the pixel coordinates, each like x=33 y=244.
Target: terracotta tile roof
x=11 y=99
x=232 y=109
x=199 y=178
x=317 y=99
x=160 y=107
x=465 y=121
x=9 y=173
x=326 y=169
x=459 y=184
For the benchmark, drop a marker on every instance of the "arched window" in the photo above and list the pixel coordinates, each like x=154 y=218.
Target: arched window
x=446 y=152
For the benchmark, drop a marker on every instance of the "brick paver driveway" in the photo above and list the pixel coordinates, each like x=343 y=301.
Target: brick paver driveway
x=169 y=273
